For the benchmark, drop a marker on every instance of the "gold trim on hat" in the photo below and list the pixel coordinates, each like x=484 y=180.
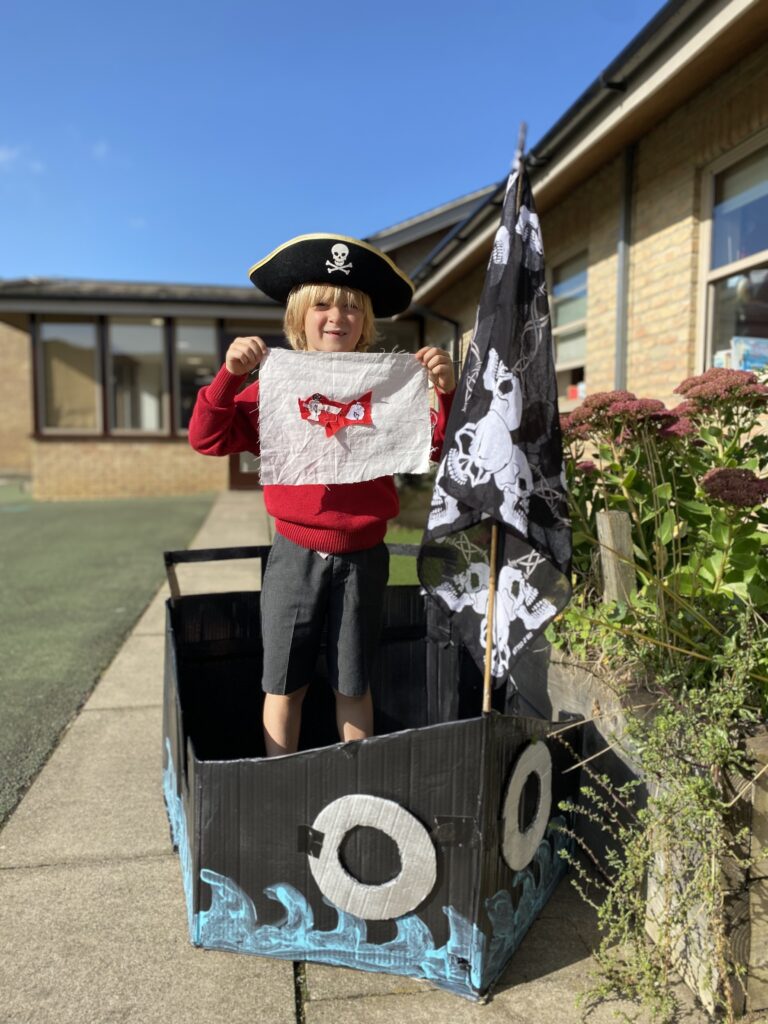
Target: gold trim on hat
x=335 y=238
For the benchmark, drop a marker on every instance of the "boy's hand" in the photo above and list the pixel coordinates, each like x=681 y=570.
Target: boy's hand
x=244 y=355
x=439 y=366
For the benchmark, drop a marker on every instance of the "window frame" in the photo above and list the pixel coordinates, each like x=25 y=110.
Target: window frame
x=42 y=429
x=134 y=433
x=172 y=341
x=708 y=277
x=575 y=325
x=103 y=429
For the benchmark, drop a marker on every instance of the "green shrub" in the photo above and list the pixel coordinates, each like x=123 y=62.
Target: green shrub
x=694 y=634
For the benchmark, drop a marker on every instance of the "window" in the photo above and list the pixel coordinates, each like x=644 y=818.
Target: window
x=242 y=329
x=737 y=271
x=69 y=374
x=246 y=465
x=137 y=374
x=197 y=363
x=128 y=375
x=569 y=327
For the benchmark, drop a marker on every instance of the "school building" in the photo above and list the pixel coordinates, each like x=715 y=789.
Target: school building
x=652 y=190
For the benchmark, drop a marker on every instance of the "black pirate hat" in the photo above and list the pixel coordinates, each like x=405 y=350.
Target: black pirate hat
x=335 y=260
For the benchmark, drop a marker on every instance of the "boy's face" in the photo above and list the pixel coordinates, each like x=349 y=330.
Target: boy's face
x=330 y=327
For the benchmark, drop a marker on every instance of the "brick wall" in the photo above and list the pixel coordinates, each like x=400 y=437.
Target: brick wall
x=15 y=401
x=670 y=165
x=664 y=264
x=588 y=220
x=122 y=469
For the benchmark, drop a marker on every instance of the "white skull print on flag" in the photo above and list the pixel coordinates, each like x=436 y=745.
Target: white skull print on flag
x=342 y=417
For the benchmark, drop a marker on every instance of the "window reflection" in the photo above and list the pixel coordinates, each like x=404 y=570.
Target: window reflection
x=197 y=362
x=137 y=378
x=69 y=354
x=740 y=215
x=568 y=304
x=740 y=321
x=569 y=292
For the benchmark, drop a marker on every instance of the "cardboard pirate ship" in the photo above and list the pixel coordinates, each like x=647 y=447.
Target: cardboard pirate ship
x=427 y=850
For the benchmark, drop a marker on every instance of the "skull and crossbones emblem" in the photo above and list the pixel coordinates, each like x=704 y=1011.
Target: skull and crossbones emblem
x=485 y=450
x=517 y=601
x=338 y=261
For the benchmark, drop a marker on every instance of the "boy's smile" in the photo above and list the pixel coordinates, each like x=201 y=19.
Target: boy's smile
x=333 y=328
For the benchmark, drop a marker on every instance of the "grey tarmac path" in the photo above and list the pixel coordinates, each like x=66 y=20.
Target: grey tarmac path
x=93 y=926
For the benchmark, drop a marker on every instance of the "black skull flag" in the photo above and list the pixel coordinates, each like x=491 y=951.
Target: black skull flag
x=502 y=458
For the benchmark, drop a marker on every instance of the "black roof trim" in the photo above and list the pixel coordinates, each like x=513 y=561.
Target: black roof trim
x=131 y=291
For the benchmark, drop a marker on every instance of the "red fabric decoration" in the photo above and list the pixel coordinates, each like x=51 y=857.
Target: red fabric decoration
x=333 y=415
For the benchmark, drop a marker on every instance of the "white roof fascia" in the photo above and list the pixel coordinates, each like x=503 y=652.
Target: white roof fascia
x=700 y=36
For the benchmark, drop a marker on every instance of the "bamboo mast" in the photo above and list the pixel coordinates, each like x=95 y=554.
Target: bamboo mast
x=489 y=633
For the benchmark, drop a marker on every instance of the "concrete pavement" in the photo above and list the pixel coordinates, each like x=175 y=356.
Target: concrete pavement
x=93 y=926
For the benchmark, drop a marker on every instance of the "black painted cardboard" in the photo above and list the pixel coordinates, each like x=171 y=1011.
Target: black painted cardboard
x=244 y=825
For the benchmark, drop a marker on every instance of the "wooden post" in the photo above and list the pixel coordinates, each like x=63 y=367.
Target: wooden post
x=489 y=621
x=757 y=944
x=489 y=633
x=617 y=559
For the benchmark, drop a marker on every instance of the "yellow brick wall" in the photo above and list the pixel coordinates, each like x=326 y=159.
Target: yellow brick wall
x=588 y=221
x=64 y=470
x=459 y=301
x=16 y=419
x=664 y=262
x=670 y=164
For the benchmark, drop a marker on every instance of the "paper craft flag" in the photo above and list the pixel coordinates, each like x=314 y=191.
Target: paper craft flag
x=342 y=417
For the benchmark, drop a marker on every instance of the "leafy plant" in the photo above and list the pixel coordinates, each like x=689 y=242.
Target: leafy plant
x=694 y=635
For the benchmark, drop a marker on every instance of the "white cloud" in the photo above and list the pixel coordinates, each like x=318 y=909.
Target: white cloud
x=9 y=155
x=14 y=157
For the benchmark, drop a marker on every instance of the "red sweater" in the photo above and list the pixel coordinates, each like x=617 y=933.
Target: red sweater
x=336 y=518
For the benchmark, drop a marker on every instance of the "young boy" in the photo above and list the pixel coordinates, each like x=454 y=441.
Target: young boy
x=328 y=559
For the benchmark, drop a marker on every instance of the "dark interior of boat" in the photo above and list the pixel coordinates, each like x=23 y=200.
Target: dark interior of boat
x=423 y=675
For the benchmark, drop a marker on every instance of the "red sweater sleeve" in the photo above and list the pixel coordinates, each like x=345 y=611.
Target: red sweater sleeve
x=224 y=421
x=439 y=422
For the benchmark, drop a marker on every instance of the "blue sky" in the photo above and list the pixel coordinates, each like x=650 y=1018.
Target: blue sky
x=172 y=141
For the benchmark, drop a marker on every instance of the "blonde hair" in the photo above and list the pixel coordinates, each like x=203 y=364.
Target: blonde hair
x=304 y=296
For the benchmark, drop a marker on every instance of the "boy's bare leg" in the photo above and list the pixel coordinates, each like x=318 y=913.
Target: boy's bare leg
x=282 y=721
x=354 y=716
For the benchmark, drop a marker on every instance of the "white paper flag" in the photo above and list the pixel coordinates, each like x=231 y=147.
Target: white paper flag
x=342 y=417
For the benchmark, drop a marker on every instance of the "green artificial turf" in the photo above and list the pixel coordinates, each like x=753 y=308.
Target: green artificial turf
x=75 y=578
x=402 y=569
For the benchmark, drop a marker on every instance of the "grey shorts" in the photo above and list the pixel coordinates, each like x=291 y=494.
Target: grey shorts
x=301 y=592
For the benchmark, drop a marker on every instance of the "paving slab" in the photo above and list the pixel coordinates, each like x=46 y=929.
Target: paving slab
x=419 y=1008
x=152 y=622
x=543 y=981
x=237 y=518
x=99 y=796
x=107 y=943
x=322 y=982
x=135 y=677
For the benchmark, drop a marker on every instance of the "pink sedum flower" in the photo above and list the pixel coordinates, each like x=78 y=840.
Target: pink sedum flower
x=722 y=385
x=737 y=487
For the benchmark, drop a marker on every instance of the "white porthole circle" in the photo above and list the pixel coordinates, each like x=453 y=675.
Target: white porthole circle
x=518 y=847
x=398 y=896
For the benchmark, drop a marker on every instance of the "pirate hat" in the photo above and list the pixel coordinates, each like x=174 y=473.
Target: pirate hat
x=334 y=260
